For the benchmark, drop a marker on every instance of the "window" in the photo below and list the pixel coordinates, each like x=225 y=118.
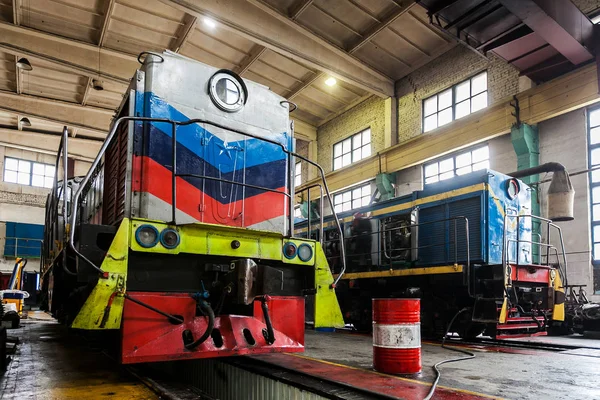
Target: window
x=459 y=164
x=353 y=198
x=594 y=162
x=456 y=102
x=28 y=173
x=298 y=174
x=297 y=212
x=352 y=149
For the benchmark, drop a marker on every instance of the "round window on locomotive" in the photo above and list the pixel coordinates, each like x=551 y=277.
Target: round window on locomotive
x=227 y=91
x=513 y=188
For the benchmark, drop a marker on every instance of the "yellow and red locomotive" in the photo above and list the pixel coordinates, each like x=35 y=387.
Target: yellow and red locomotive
x=180 y=235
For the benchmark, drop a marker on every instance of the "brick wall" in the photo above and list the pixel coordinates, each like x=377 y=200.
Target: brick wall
x=369 y=113
x=450 y=68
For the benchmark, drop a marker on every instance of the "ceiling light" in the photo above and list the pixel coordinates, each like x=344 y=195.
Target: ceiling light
x=209 y=22
x=24 y=64
x=596 y=19
x=330 y=81
x=97 y=84
x=25 y=121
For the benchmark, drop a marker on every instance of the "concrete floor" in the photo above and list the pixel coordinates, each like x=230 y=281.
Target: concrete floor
x=49 y=365
x=506 y=373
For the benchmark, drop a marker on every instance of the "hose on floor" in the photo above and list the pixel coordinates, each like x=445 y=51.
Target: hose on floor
x=436 y=366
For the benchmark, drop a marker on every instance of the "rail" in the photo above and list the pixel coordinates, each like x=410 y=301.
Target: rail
x=175 y=175
x=308 y=222
x=562 y=267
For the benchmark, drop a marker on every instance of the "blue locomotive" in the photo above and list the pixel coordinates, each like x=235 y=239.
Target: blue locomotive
x=465 y=242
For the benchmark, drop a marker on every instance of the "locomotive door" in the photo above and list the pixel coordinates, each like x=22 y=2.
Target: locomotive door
x=223 y=197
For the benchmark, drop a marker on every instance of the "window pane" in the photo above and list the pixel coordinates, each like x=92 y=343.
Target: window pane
x=462 y=109
x=481 y=165
x=463 y=170
x=445 y=99
x=347 y=196
x=594 y=118
x=356 y=155
x=11 y=163
x=430 y=123
x=445 y=116
x=446 y=165
x=24 y=166
x=298 y=168
x=479 y=102
x=366 y=190
x=356 y=141
x=432 y=179
x=596 y=237
x=596 y=175
x=38 y=169
x=366 y=136
x=596 y=195
x=10 y=176
x=481 y=154
x=338 y=208
x=596 y=251
x=366 y=151
x=596 y=212
x=23 y=178
x=479 y=83
x=346 y=206
x=463 y=91
x=337 y=150
x=595 y=135
x=463 y=160
x=346 y=146
x=446 y=175
x=37 y=180
x=337 y=163
x=595 y=156
x=356 y=203
x=366 y=200
x=356 y=193
x=346 y=159
x=431 y=169
x=297 y=180
x=430 y=105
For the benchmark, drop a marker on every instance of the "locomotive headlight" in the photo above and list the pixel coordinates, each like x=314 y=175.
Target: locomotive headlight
x=289 y=250
x=305 y=252
x=146 y=236
x=169 y=238
x=227 y=91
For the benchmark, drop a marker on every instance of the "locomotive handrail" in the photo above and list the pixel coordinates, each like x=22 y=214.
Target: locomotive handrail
x=308 y=223
x=174 y=175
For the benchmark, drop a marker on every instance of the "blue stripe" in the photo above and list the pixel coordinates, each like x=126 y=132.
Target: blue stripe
x=225 y=157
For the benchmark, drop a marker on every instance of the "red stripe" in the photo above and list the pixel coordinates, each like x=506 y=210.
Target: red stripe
x=153 y=178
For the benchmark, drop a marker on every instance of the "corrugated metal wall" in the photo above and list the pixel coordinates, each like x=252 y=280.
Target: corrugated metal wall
x=227 y=382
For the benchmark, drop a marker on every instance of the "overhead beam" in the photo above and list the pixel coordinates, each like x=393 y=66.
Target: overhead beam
x=72 y=55
x=255 y=53
x=108 y=9
x=558 y=22
x=259 y=22
x=47 y=143
x=73 y=115
x=298 y=8
x=86 y=93
x=567 y=93
x=184 y=32
x=16 y=4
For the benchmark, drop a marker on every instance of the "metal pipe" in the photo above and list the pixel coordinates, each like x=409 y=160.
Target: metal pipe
x=547 y=167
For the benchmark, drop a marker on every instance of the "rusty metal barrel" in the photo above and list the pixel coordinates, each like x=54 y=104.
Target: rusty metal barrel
x=397 y=336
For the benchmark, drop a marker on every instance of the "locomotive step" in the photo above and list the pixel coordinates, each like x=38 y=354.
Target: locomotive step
x=516 y=326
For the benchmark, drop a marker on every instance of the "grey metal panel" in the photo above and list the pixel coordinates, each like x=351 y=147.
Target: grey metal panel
x=227 y=382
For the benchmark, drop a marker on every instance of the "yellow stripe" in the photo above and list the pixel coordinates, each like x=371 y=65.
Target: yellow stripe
x=450 y=269
x=395 y=377
x=405 y=206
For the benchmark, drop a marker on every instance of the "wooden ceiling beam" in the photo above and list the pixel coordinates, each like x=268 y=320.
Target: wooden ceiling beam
x=297 y=9
x=184 y=32
x=255 y=53
x=108 y=9
x=47 y=143
x=264 y=25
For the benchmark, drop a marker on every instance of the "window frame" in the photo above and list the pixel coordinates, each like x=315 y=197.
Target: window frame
x=591 y=184
x=298 y=174
x=352 y=199
x=453 y=157
x=351 y=152
x=454 y=102
x=30 y=172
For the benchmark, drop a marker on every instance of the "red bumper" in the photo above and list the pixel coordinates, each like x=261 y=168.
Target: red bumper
x=150 y=337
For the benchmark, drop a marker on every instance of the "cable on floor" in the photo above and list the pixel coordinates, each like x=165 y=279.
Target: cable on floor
x=435 y=367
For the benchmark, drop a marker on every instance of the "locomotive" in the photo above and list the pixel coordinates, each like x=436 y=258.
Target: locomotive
x=468 y=242
x=179 y=238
